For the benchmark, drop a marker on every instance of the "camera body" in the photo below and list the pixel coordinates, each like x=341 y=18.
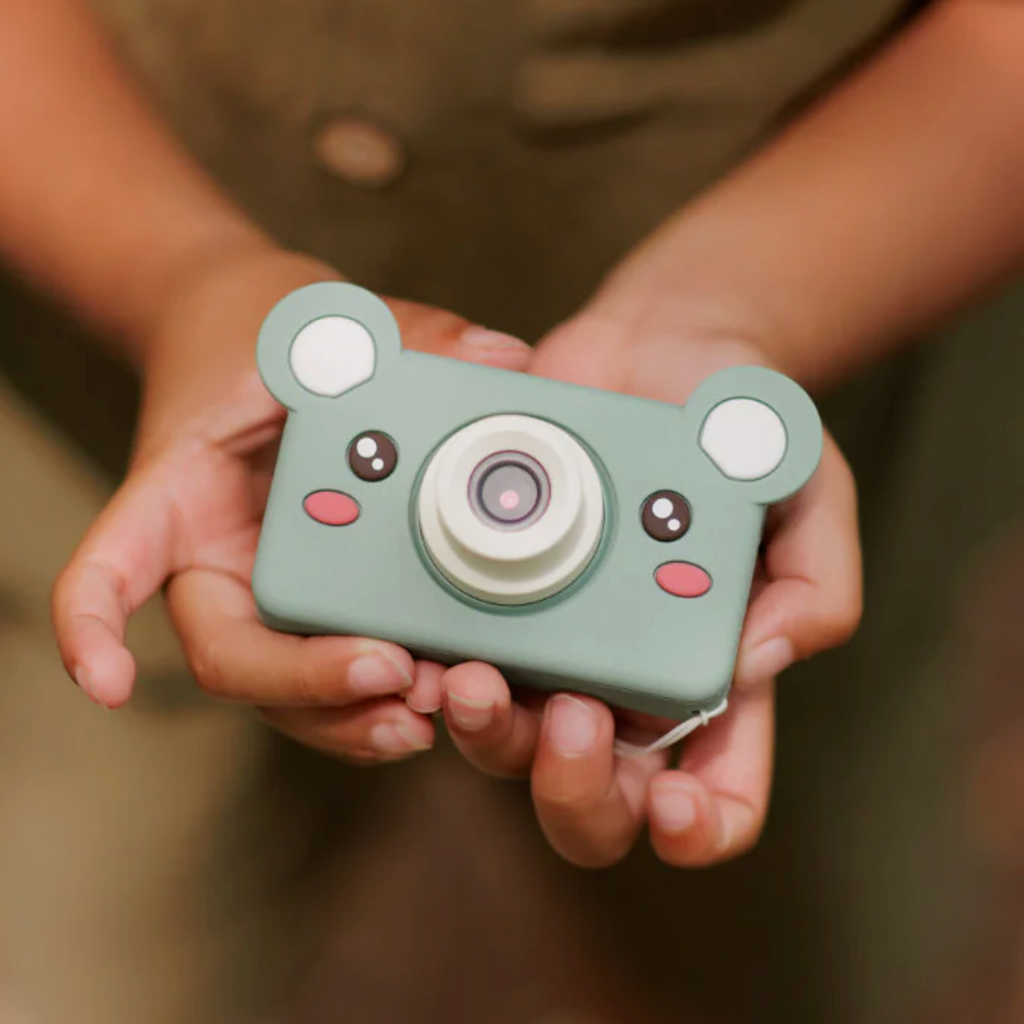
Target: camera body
x=576 y=539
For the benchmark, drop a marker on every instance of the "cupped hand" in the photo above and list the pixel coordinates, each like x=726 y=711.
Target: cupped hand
x=187 y=519
x=709 y=805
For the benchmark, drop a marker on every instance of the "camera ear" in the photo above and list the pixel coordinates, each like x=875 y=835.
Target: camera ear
x=759 y=429
x=324 y=340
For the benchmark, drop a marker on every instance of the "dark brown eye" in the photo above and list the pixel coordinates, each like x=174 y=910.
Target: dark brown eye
x=372 y=456
x=665 y=515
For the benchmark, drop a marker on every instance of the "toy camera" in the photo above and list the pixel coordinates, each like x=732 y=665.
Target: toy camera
x=574 y=538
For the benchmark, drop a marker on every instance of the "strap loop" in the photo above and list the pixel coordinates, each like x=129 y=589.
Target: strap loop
x=697 y=720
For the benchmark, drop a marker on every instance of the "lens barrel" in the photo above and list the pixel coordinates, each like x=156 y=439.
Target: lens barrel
x=511 y=509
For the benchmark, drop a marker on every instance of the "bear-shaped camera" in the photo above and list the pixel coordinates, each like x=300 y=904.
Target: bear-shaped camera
x=574 y=538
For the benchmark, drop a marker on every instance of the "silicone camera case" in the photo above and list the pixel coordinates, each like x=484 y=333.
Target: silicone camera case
x=576 y=539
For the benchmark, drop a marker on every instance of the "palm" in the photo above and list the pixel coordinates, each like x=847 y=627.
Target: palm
x=204 y=467
x=218 y=494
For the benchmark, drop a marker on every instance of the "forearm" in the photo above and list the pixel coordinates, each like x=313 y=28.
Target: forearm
x=98 y=203
x=893 y=202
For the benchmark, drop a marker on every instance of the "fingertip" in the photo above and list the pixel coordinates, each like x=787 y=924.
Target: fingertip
x=494 y=734
x=674 y=803
x=589 y=804
x=426 y=695
x=96 y=659
x=403 y=734
x=573 y=726
x=575 y=760
x=371 y=732
x=691 y=826
x=107 y=678
x=400 y=660
x=742 y=825
x=475 y=695
x=685 y=826
x=762 y=662
x=476 y=679
x=480 y=345
x=89 y=609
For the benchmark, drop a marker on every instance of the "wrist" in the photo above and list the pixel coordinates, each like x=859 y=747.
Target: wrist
x=202 y=268
x=712 y=275
x=637 y=334
x=701 y=306
x=643 y=355
x=239 y=271
x=198 y=363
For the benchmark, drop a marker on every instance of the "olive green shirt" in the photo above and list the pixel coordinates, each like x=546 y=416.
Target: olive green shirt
x=497 y=159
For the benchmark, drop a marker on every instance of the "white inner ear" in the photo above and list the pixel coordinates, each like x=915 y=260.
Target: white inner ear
x=744 y=438
x=332 y=355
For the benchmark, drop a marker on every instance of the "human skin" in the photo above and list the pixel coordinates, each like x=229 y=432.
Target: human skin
x=890 y=204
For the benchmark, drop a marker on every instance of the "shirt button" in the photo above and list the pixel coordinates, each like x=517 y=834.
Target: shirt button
x=360 y=152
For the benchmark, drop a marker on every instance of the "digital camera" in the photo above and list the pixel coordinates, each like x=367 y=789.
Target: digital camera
x=577 y=539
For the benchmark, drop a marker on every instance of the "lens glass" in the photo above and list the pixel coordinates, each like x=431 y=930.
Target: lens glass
x=509 y=490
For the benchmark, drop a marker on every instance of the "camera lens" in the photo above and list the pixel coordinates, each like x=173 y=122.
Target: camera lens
x=509 y=490
x=510 y=509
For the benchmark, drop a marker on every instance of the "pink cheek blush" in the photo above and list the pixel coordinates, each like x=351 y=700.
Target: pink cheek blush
x=682 y=579
x=332 y=508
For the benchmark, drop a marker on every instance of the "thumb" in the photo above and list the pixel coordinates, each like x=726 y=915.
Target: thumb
x=812 y=598
x=120 y=564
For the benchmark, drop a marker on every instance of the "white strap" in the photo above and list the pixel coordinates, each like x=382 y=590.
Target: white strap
x=674 y=735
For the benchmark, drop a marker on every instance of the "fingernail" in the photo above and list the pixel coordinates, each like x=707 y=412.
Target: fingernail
x=572 y=726
x=395 y=740
x=423 y=707
x=84 y=682
x=471 y=715
x=765 y=661
x=495 y=341
x=411 y=738
x=375 y=674
x=673 y=808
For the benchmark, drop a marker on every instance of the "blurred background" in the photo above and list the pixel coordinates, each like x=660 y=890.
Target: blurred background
x=176 y=861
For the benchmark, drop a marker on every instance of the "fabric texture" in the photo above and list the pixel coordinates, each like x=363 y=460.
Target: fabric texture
x=191 y=866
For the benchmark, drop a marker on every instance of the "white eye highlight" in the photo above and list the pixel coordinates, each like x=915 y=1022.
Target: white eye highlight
x=663 y=508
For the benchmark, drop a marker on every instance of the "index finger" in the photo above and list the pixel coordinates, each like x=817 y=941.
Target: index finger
x=438 y=332
x=235 y=657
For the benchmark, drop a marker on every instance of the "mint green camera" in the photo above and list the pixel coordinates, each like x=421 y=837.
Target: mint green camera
x=577 y=539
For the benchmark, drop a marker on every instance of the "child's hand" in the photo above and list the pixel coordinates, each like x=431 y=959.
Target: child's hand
x=593 y=805
x=187 y=517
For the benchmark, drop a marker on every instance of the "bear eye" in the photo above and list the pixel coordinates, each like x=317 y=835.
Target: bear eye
x=665 y=515
x=372 y=456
